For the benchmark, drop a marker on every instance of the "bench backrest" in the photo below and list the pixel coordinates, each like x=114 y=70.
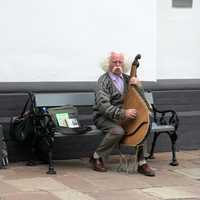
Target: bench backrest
x=76 y=98
x=61 y=99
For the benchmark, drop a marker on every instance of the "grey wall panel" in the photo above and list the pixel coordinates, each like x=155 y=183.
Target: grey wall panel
x=180 y=100
x=189 y=132
x=11 y=104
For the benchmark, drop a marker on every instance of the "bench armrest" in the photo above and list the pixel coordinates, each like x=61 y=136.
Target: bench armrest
x=165 y=117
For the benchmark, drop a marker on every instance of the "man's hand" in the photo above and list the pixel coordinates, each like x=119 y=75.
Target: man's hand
x=134 y=81
x=130 y=113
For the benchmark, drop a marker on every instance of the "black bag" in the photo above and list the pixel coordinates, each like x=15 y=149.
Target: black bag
x=34 y=129
x=66 y=120
x=21 y=127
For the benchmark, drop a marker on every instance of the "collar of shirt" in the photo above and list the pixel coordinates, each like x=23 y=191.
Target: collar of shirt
x=115 y=77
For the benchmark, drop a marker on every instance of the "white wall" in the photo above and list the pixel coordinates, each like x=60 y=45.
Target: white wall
x=48 y=40
x=178 y=41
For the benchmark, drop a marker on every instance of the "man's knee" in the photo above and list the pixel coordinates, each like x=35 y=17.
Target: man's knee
x=117 y=131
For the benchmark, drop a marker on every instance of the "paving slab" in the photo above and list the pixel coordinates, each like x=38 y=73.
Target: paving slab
x=30 y=196
x=72 y=195
x=77 y=183
x=6 y=188
x=36 y=184
x=166 y=177
x=134 y=194
x=118 y=181
x=193 y=173
x=173 y=192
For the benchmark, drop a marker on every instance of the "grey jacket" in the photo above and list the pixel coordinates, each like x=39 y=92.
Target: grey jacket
x=109 y=100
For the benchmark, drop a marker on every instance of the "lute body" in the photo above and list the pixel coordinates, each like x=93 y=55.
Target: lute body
x=138 y=128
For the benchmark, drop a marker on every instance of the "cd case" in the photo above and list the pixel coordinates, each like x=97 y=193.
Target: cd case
x=64 y=120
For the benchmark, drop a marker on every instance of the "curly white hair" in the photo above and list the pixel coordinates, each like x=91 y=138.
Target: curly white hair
x=126 y=66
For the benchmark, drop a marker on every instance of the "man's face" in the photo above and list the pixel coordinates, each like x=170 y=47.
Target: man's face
x=116 y=63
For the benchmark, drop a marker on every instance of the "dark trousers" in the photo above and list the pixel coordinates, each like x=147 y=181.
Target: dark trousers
x=113 y=134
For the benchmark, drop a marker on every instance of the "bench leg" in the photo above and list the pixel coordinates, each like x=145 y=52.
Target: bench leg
x=173 y=137
x=32 y=161
x=51 y=167
x=50 y=157
x=151 y=156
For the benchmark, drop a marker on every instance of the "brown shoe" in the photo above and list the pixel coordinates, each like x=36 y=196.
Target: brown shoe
x=146 y=170
x=97 y=164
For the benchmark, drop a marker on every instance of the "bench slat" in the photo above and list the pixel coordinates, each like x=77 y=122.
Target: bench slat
x=61 y=99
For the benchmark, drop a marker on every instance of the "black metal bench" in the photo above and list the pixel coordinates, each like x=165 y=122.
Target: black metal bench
x=163 y=121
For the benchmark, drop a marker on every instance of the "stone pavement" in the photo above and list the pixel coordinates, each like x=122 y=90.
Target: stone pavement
x=76 y=181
